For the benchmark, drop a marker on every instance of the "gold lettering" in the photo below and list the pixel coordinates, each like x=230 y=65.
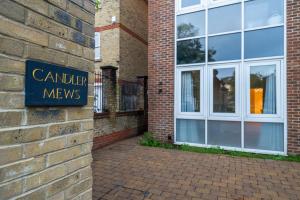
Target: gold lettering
x=48 y=94
x=84 y=81
x=34 y=74
x=66 y=80
x=68 y=94
x=77 y=94
x=57 y=78
x=49 y=76
x=58 y=93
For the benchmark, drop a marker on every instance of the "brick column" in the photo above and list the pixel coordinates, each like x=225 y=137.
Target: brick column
x=293 y=76
x=161 y=68
x=45 y=152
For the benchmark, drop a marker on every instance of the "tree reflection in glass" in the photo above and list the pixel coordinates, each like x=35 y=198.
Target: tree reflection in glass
x=190 y=25
x=191 y=51
x=224 y=90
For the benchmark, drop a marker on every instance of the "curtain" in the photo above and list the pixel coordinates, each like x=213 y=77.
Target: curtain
x=270 y=95
x=271 y=137
x=192 y=131
x=187 y=93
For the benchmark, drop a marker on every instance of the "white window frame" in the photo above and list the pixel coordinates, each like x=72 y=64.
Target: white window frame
x=191 y=115
x=189 y=9
x=208 y=4
x=278 y=117
x=98 y=47
x=215 y=115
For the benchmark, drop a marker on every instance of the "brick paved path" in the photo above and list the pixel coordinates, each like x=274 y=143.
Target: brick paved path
x=126 y=170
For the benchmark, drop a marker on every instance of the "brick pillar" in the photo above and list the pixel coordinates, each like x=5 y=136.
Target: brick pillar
x=109 y=85
x=161 y=68
x=45 y=152
x=293 y=76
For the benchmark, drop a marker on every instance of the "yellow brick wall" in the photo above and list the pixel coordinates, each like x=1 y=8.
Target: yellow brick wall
x=45 y=153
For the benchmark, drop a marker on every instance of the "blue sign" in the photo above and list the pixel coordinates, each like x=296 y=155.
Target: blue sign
x=52 y=85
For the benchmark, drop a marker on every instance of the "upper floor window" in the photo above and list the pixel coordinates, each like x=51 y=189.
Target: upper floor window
x=97 y=46
x=189 y=3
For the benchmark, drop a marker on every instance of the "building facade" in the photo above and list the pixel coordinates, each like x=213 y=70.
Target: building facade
x=45 y=151
x=121 y=38
x=226 y=74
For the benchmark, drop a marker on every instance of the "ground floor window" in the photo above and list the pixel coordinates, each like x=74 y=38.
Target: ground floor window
x=235 y=105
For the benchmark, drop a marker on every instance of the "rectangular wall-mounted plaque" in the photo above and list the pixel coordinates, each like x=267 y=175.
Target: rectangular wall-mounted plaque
x=53 y=85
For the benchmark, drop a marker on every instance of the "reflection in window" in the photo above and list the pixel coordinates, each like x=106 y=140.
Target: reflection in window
x=224 y=90
x=224 y=47
x=264 y=43
x=187 y=3
x=190 y=25
x=191 y=51
x=192 y=131
x=263 y=89
x=190 y=91
x=224 y=19
x=224 y=133
x=263 y=13
x=264 y=136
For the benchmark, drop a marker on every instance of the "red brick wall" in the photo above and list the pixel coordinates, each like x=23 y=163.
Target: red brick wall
x=293 y=75
x=161 y=67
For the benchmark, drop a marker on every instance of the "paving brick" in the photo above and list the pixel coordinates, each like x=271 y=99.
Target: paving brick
x=23 y=32
x=12 y=10
x=126 y=168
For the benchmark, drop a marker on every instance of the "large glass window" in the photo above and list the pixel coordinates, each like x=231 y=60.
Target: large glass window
x=191 y=131
x=191 y=51
x=224 y=47
x=260 y=13
x=224 y=133
x=224 y=90
x=264 y=136
x=190 y=25
x=224 y=19
x=187 y=3
x=230 y=73
x=190 y=91
x=263 y=89
x=264 y=42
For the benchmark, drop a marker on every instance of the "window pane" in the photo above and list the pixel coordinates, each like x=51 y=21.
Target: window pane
x=224 y=19
x=97 y=39
x=225 y=47
x=190 y=91
x=97 y=53
x=263 y=13
x=224 y=90
x=264 y=43
x=264 y=136
x=224 y=133
x=263 y=89
x=186 y=3
x=192 y=131
x=190 y=25
x=191 y=51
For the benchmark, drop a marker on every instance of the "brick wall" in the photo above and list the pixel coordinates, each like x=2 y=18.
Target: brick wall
x=161 y=67
x=293 y=75
x=45 y=153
